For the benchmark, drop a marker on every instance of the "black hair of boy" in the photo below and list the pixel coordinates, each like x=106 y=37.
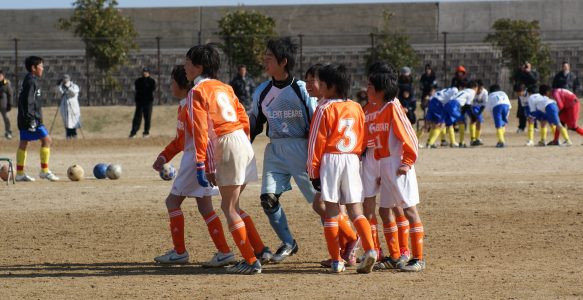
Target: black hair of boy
x=31 y=61
x=383 y=77
x=479 y=82
x=337 y=76
x=206 y=56
x=495 y=88
x=284 y=48
x=544 y=89
x=519 y=87
x=179 y=75
x=471 y=84
x=314 y=70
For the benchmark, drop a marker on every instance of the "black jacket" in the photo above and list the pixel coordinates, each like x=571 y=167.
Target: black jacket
x=6 y=92
x=569 y=81
x=427 y=82
x=243 y=88
x=145 y=87
x=530 y=79
x=29 y=104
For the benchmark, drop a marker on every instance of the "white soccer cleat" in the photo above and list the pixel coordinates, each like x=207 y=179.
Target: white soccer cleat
x=368 y=260
x=337 y=267
x=24 y=178
x=220 y=260
x=48 y=175
x=530 y=143
x=171 y=258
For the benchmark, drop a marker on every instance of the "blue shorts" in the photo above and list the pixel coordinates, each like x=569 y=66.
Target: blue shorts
x=283 y=159
x=40 y=133
x=476 y=114
x=435 y=112
x=552 y=114
x=500 y=115
x=453 y=113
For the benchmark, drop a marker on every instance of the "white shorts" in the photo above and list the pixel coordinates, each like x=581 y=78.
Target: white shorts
x=370 y=173
x=396 y=190
x=186 y=184
x=340 y=178
x=235 y=160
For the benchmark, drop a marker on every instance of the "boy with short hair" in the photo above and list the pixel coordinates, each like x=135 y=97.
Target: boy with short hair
x=186 y=185
x=30 y=122
x=499 y=107
x=219 y=118
x=454 y=113
x=335 y=144
x=478 y=105
x=396 y=147
x=547 y=111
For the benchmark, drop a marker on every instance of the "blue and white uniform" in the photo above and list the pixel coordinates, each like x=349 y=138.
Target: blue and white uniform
x=543 y=108
x=435 y=109
x=287 y=110
x=499 y=107
x=478 y=106
x=453 y=108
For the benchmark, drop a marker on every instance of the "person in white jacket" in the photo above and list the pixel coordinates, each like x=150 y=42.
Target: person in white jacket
x=69 y=107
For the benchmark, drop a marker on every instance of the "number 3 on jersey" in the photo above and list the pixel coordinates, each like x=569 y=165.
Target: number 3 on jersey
x=349 y=138
x=227 y=110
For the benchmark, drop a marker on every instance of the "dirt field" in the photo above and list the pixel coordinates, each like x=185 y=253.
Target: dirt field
x=499 y=223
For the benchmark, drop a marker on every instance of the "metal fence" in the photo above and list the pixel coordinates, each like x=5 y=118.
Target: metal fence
x=443 y=50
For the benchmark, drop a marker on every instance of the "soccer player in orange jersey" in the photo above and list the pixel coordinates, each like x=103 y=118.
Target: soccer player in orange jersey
x=186 y=185
x=335 y=144
x=219 y=118
x=396 y=147
x=347 y=238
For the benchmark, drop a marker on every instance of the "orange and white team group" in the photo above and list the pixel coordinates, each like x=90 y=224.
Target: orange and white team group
x=350 y=157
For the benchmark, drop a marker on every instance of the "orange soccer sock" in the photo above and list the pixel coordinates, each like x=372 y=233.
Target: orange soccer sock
x=346 y=230
x=392 y=237
x=215 y=228
x=363 y=227
x=239 y=234
x=375 y=234
x=331 y=234
x=177 y=229
x=403 y=226
x=252 y=232
x=417 y=240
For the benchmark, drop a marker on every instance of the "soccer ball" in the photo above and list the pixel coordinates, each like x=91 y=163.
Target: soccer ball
x=4 y=172
x=100 y=171
x=113 y=171
x=167 y=172
x=75 y=173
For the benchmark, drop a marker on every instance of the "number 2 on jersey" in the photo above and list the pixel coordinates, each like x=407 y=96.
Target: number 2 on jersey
x=227 y=110
x=349 y=139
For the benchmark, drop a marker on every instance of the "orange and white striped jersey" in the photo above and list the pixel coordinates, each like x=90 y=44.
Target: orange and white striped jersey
x=337 y=127
x=184 y=141
x=216 y=112
x=392 y=121
x=370 y=114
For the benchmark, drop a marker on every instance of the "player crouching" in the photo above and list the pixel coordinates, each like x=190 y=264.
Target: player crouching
x=335 y=144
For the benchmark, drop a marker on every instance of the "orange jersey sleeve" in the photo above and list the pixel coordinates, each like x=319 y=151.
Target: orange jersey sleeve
x=392 y=117
x=216 y=112
x=337 y=127
x=177 y=144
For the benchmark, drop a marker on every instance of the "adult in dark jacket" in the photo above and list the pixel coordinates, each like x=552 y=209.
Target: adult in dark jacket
x=565 y=79
x=145 y=87
x=243 y=86
x=428 y=83
x=460 y=77
x=5 y=103
x=406 y=93
x=527 y=76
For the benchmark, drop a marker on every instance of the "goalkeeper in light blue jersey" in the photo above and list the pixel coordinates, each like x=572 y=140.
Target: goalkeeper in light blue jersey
x=283 y=105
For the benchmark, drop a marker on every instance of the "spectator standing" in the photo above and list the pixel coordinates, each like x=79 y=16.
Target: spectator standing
x=243 y=86
x=527 y=76
x=459 y=78
x=5 y=103
x=565 y=79
x=69 y=107
x=145 y=87
x=428 y=84
x=406 y=93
